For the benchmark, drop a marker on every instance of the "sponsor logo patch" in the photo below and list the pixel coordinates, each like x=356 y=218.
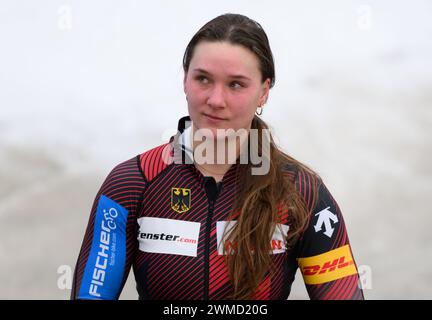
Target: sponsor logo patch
x=170 y=236
x=329 y=266
x=107 y=256
x=325 y=217
x=277 y=242
x=180 y=199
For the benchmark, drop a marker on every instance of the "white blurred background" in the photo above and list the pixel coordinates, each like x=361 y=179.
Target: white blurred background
x=85 y=85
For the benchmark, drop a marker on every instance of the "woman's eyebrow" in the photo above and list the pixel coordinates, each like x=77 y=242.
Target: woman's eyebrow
x=234 y=76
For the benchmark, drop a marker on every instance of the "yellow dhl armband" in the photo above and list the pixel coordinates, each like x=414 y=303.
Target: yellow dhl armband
x=329 y=266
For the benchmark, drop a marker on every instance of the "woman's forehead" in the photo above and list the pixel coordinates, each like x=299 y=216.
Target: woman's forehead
x=224 y=58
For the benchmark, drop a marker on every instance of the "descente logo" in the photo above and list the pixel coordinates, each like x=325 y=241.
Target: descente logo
x=164 y=237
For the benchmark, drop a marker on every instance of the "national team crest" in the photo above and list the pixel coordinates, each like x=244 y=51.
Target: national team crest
x=180 y=199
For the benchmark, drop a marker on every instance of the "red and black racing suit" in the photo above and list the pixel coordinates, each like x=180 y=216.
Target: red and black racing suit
x=165 y=220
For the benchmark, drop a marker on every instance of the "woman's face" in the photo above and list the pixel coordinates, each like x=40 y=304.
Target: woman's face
x=223 y=86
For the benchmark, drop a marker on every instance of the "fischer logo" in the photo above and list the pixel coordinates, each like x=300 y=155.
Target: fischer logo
x=169 y=236
x=108 y=224
x=107 y=254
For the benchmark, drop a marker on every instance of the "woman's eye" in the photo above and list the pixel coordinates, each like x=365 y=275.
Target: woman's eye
x=236 y=85
x=202 y=79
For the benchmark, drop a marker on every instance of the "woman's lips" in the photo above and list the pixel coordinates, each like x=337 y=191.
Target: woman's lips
x=213 y=118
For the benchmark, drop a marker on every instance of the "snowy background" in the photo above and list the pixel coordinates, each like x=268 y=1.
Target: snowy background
x=85 y=85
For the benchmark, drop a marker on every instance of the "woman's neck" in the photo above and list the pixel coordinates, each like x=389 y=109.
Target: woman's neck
x=213 y=156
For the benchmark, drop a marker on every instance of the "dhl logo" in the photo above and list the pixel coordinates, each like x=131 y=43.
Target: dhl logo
x=329 y=266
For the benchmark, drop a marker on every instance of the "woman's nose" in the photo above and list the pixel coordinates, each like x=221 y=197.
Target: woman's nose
x=216 y=97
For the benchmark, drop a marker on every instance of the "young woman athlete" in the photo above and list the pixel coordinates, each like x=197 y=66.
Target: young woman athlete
x=219 y=211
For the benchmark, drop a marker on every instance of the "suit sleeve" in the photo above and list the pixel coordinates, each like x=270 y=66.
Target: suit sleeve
x=325 y=257
x=109 y=242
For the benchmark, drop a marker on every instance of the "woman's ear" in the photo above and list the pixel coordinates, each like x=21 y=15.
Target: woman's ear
x=265 y=92
x=184 y=83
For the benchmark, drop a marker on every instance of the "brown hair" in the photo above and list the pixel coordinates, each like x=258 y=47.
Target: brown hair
x=261 y=198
